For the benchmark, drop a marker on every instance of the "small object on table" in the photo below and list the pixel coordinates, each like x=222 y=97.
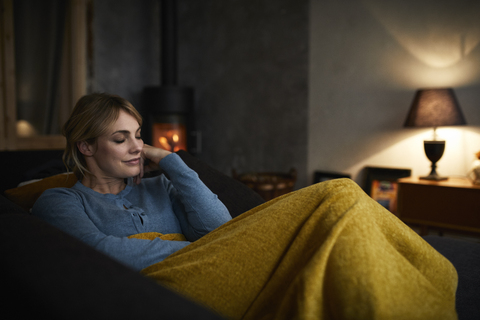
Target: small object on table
x=268 y=185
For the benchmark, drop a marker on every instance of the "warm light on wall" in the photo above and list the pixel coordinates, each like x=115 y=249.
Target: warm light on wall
x=430 y=31
x=440 y=37
x=455 y=76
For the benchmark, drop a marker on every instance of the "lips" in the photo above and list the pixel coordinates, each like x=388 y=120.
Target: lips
x=133 y=162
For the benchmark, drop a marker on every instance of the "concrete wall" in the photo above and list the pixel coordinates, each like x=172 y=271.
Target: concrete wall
x=367 y=58
x=248 y=63
x=246 y=60
x=126 y=44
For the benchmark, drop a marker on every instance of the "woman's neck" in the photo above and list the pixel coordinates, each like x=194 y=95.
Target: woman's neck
x=104 y=185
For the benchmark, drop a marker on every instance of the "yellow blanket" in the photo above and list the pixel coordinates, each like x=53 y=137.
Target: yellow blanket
x=324 y=252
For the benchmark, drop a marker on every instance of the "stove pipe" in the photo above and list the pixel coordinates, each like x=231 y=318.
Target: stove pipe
x=169 y=34
x=169 y=102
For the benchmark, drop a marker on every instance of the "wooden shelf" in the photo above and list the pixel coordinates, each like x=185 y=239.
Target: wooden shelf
x=452 y=204
x=450 y=182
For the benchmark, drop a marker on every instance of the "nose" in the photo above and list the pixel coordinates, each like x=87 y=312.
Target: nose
x=136 y=146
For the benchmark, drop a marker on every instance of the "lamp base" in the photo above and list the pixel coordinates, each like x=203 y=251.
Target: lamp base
x=434 y=177
x=434 y=152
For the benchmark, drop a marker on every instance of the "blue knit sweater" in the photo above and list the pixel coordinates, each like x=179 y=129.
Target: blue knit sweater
x=182 y=204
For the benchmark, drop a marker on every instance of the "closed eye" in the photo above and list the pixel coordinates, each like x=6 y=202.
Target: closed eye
x=126 y=134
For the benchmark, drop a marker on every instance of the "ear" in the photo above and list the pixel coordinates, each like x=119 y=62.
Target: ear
x=85 y=148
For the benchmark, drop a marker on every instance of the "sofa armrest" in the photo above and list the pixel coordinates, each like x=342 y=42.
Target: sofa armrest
x=465 y=257
x=28 y=165
x=7 y=206
x=47 y=273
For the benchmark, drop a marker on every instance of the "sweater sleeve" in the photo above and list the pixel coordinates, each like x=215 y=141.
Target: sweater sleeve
x=64 y=209
x=198 y=210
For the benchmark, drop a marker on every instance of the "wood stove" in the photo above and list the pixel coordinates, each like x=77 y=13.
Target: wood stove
x=171 y=116
x=170 y=106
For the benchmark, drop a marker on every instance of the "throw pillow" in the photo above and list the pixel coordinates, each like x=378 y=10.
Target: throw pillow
x=26 y=195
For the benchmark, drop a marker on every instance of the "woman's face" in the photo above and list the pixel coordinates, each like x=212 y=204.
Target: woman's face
x=117 y=153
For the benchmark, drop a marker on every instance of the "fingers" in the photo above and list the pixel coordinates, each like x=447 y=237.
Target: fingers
x=138 y=178
x=154 y=154
x=142 y=168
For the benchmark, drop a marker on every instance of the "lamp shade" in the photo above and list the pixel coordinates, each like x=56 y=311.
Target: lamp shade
x=434 y=108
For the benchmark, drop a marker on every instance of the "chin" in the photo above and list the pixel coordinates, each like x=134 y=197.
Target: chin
x=134 y=175
x=131 y=174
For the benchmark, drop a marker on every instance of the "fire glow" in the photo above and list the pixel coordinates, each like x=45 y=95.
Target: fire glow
x=170 y=136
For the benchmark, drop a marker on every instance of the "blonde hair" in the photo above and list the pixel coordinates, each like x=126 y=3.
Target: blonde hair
x=91 y=117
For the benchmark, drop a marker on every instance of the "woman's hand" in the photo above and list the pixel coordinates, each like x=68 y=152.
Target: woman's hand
x=153 y=155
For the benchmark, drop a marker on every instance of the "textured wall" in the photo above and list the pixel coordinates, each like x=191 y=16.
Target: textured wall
x=246 y=60
x=126 y=47
x=248 y=63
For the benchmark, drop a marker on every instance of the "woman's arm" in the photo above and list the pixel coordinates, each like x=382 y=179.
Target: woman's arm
x=64 y=209
x=198 y=210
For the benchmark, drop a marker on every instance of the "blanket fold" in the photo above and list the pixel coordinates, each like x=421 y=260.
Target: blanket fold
x=327 y=251
x=153 y=235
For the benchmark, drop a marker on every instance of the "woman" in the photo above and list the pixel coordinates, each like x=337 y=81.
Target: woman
x=327 y=251
x=111 y=201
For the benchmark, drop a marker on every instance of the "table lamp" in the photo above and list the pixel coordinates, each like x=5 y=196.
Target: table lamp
x=434 y=108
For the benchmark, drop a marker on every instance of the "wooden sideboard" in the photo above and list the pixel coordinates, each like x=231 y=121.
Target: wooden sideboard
x=452 y=204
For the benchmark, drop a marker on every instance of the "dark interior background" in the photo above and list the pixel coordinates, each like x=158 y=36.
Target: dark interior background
x=247 y=62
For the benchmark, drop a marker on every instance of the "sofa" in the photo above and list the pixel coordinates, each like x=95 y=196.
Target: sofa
x=46 y=272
